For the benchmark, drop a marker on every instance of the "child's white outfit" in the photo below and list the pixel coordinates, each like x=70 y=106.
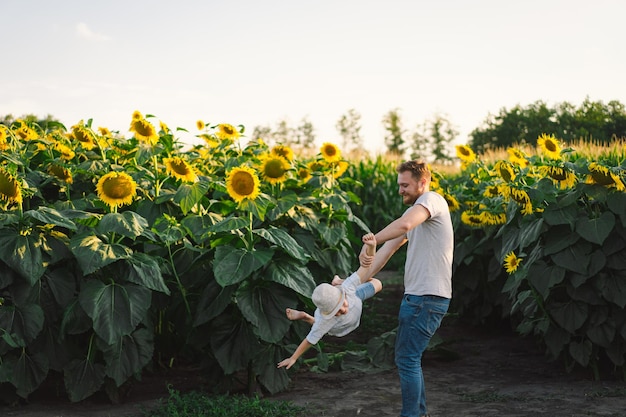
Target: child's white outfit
x=345 y=323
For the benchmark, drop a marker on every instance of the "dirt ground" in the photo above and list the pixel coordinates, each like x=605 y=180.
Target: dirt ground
x=492 y=374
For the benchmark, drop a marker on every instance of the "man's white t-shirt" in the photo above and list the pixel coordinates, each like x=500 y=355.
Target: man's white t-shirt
x=428 y=267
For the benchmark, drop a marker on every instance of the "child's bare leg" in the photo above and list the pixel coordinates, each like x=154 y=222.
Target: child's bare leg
x=299 y=315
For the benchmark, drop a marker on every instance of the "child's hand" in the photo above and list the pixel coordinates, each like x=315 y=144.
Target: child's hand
x=286 y=363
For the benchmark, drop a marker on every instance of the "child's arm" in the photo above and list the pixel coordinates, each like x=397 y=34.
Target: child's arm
x=303 y=347
x=369 y=241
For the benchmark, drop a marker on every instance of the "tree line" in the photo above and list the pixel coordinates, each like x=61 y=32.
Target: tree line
x=432 y=140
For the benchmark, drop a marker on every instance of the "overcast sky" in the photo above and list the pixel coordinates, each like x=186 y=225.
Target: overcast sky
x=258 y=62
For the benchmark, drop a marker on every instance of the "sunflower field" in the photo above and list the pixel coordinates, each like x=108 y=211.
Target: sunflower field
x=120 y=254
x=116 y=252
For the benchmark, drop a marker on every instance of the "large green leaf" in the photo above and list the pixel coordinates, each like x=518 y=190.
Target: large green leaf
x=83 y=378
x=617 y=204
x=264 y=306
x=128 y=223
x=23 y=323
x=62 y=283
x=559 y=238
x=556 y=214
x=233 y=265
x=284 y=240
x=614 y=289
x=115 y=309
x=233 y=343
x=570 y=315
x=48 y=215
x=188 y=195
x=213 y=301
x=92 y=253
x=144 y=270
x=596 y=230
x=332 y=234
x=556 y=338
x=258 y=207
x=230 y=224
x=272 y=378
x=603 y=333
x=292 y=275
x=75 y=320
x=543 y=277
x=23 y=254
x=581 y=351
x=29 y=372
x=574 y=258
x=530 y=232
x=128 y=356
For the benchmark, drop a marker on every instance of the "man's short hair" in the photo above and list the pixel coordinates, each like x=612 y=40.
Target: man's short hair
x=419 y=169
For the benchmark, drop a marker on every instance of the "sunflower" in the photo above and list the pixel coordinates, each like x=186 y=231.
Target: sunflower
x=10 y=190
x=511 y=262
x=453 y=203
x=210 y=140
x=339 y=168
x=517 y=157
x=304 y=174
x=164 y=128
x=178 y=168
x=602 y=175
x=505 y=171
x=83 y=135
x=144 y=131
x=4 y=135
x=242 y=183
x=560 y=176
x=521 y=197
x=61 y=173
x=465 y=153
x=494 y=219
x=137 y=115
x=25 y=132
x=330 y=152
x=281 y=150
x=274 y=169
x=493 y=191
x=227 y=132
x=66 y=152
x=316 y=166
x=549 y=146
x=116 y=189
x=473 y=219
x=104 y=131
x=200 y=124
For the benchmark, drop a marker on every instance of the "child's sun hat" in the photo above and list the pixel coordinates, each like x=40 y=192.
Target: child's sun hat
x=328 y=299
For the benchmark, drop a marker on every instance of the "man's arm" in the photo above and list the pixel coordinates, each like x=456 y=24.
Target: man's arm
x=413 y=217
x=382 y=256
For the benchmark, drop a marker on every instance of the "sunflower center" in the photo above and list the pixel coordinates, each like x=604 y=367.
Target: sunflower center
x=551 y=146
x=180 y=167
x=142 y=127
x=274 y=169
x=558 y=174
x=8 y=187
x=118 y=187
x=243 y=183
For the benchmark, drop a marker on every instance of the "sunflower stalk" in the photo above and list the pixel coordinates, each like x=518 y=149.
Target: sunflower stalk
x=181 y=287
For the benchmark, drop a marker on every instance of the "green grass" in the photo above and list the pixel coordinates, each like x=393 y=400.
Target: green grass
x=197 y=404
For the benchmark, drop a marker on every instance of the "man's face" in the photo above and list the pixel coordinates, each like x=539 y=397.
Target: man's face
x=409 y=188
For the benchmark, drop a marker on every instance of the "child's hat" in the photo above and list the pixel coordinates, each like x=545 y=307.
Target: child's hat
x=328 y=298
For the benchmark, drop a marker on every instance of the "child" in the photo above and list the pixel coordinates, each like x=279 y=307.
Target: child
x=339 y=306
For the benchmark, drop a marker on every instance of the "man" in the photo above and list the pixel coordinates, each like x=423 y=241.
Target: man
x=427 y=227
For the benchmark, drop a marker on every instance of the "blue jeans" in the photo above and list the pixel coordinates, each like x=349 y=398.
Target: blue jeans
x=419 y=318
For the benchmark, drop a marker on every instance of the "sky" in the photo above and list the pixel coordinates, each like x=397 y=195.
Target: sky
x=259 y=62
